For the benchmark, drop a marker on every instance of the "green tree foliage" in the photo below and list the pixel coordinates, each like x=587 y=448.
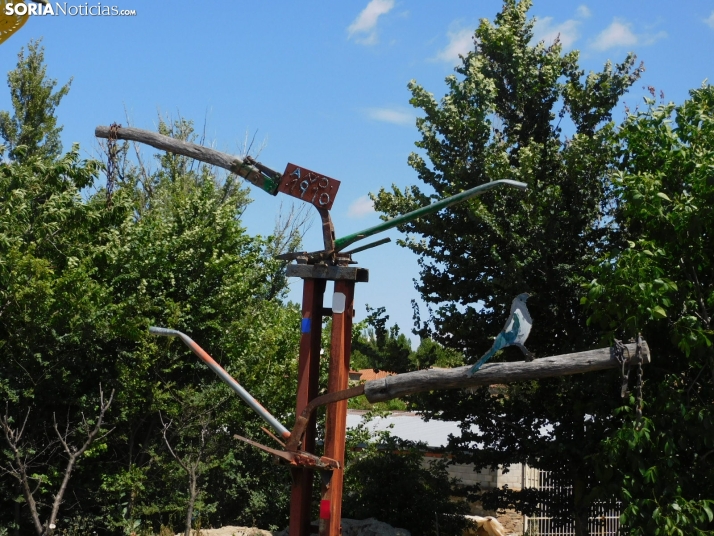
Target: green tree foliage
x=81 y=283
x=33 y=123
x=506 y=114
x=81 y=280
x=658 y=279
x=378 y=347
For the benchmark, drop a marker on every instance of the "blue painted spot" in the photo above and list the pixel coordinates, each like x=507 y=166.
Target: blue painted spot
x=305 y=326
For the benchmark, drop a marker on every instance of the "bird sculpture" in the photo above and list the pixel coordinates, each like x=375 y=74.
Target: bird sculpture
x=514 y=333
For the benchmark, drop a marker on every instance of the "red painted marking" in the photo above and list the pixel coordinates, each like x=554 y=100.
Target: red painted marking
x=324 y=509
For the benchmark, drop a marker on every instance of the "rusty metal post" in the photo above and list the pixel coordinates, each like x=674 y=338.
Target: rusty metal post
x=336 y=422
x=308 y=375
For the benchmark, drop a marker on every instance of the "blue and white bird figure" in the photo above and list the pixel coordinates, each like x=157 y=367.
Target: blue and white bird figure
x=514 y=333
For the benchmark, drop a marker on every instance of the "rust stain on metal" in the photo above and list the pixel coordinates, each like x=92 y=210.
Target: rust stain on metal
x=297 y=459
x=295 y=439
x=309 y=186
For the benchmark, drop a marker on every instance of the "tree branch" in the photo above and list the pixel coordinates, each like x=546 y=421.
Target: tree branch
x=74 y=453
x=166 y=440
x=12 y=438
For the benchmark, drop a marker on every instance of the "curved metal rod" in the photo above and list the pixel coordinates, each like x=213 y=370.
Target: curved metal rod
x=293 y=443
x=342 y=243
x=223 y=375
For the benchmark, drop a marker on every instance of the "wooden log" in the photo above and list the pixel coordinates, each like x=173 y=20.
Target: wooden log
x=205 y=154
x=410 y=383
x=333 y=273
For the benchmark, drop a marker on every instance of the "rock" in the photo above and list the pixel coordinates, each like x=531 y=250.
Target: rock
x=232 y=531
x=362 y=527
x=370 y=527
x=484 y=526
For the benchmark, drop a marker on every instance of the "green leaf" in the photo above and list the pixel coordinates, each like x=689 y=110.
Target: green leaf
x=708 y=511
x=663 y=196
x=658 y=312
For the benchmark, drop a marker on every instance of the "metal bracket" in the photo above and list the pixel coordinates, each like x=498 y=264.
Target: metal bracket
x=296 y=458
x=298 y=432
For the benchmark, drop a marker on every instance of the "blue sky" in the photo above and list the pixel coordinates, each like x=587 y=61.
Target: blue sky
x=323 y=84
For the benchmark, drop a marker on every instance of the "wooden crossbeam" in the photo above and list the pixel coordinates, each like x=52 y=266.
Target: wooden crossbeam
x=242 y=167
x=420 y=381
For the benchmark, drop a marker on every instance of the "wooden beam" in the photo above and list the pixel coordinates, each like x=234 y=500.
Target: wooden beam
x=205 y=154
x=334 y=273
x=410 y=383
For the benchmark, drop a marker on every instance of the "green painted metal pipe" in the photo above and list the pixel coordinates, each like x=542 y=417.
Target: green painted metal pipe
x=343 y=242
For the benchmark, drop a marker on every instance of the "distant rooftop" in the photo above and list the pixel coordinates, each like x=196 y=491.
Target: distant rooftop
x=410 y=426
x=364 y=375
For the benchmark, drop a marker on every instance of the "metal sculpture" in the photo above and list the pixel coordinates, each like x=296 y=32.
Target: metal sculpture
x=316 y=268
x=514 y=332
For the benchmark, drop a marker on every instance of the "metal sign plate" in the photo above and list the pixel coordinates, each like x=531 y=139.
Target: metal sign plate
x=309 y=186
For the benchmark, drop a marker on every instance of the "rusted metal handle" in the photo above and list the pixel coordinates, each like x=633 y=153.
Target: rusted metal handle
x=223 y=375
x=293 y=442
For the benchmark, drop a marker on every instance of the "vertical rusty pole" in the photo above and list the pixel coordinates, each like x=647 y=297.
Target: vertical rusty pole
x=336 y=422
x=308 y=375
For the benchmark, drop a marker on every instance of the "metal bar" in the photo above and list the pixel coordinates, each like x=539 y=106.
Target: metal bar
x=336 y=422
x=308 y=376
x=272 y=436
x=223 y=375
x=304 y=417
x=368 y=246
x=298 y=459
x=345 y=241
x=328 y=230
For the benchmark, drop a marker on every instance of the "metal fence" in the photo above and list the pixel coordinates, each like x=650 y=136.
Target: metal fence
x=604 y=520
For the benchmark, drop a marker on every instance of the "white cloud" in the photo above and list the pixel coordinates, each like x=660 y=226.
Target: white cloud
x=616 y=35
x=710 y=20
x=460 y=43
x=545 y=30
x=360 y=207
x=583 y=11
x=365 y=25
x=391 y=115
x=648 y=39
x=568 y=31
x=620 y=34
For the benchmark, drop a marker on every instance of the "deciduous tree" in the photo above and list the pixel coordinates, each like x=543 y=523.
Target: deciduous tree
x=658 y=279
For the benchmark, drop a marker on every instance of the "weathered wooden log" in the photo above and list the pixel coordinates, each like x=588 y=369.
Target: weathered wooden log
x=205 y=154
x=410 y=383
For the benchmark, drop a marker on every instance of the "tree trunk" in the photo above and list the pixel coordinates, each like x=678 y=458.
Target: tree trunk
x=193 y=494
x=580 y=509
x=16 y=530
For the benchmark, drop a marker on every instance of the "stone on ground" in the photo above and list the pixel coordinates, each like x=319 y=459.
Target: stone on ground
x=363 y=527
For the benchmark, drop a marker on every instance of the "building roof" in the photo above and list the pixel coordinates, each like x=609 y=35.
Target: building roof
x=368 y=374
x=410 y=426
